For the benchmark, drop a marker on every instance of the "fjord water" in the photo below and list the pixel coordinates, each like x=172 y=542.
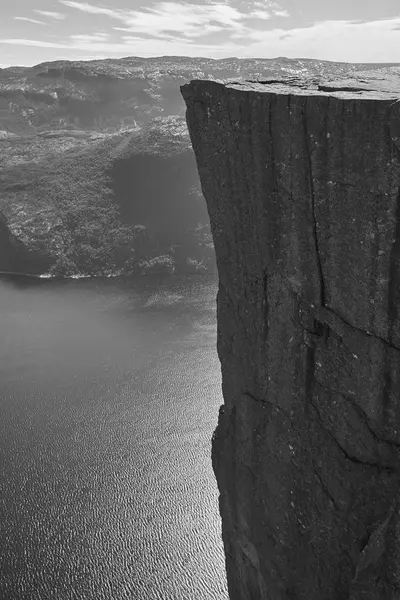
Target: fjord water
x=109 y=393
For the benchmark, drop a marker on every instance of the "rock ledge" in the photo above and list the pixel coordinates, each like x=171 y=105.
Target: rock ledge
x=302 y=183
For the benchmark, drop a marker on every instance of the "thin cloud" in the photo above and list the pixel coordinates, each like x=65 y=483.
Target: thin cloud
x=326 y=40
x=231 y=32
x=260 y=14
x=50 y=14
x=29 y=20
x=92 y=9
x=38 y=43
x=274 y=9
x=90 y=37
x=131 y=46
x=132 y=38
x=345 y=41
x=185 y=19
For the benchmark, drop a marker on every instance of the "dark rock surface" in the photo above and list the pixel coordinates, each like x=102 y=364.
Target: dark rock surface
x=302 y=183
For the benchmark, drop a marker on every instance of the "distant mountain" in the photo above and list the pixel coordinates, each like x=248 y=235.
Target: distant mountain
x=112 y=94
x=97 y=171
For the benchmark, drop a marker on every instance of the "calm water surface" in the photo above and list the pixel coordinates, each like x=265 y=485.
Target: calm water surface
x=109 y=393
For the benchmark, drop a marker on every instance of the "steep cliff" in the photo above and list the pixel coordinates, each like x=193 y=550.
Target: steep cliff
x=302 y=183
x=14 y=256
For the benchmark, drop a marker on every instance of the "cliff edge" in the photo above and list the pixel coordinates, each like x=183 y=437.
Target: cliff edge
x=302 y=183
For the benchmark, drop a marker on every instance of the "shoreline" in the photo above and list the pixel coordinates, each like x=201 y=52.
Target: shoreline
x=44 y=277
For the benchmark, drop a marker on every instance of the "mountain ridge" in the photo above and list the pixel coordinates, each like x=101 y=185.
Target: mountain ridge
x=110 y=114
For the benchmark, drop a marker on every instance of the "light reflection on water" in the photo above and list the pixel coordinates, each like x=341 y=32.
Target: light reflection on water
x=109 y=393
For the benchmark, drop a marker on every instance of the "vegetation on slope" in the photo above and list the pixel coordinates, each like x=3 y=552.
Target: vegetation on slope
x=121 y=203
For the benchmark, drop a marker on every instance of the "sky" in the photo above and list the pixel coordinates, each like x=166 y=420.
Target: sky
x=34 y=31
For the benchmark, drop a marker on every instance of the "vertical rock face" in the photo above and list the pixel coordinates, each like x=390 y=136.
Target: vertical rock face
x=9 y=247
x=302 y=183
x=14 y=256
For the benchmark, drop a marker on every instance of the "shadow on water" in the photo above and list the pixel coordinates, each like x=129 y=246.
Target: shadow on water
x=22 y=280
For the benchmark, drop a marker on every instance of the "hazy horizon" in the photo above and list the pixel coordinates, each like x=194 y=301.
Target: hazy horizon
x=162 y=56
x=35 y=31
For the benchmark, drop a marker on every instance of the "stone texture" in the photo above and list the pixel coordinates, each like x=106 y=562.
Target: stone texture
x=302 y=183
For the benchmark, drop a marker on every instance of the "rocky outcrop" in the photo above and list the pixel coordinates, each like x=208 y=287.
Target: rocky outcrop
x=302 y=183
